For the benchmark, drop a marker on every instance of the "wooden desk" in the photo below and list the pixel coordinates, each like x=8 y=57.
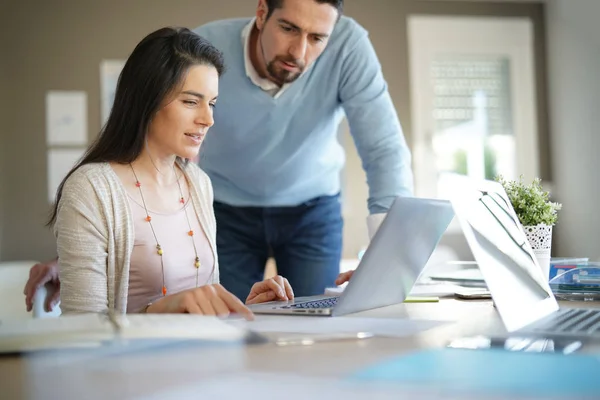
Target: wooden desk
x=97 y=375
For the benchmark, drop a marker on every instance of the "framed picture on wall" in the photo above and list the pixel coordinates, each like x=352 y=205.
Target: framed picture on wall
x=109 y=76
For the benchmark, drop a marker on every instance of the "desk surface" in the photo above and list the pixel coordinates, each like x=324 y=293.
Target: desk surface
x=149 y=372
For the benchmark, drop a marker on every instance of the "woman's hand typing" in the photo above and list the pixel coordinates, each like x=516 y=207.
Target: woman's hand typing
x=205 y=300
x=277 y=288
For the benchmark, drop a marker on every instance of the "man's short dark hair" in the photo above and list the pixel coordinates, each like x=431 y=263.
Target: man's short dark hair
x=337 y=4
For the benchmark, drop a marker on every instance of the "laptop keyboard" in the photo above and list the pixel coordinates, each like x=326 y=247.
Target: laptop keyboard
x=324 y=303
x=573 y=321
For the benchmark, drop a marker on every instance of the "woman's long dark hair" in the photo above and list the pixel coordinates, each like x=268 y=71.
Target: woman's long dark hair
x=154 y=69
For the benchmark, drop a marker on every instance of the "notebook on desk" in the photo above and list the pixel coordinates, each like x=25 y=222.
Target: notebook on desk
x=470 y=277
x=94 y=330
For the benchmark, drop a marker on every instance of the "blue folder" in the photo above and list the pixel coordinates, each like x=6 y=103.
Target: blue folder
x=492 y=371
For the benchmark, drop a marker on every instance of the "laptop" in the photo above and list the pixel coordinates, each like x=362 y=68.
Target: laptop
x=508 y=264
x=390 y=266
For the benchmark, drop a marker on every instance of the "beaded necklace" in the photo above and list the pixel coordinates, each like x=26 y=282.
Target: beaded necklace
x=159 y=249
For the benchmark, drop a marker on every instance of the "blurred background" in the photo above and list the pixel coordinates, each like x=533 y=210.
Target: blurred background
x=481 y=88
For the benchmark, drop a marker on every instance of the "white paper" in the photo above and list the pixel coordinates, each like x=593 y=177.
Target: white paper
x=54 y=326
x=66 y=118
x=467 y=277
x=91 y=329
x=439 y=290
x=390 y=327
x=177 y=326
x=53 y=333
x=109 y=76
x=60 y=162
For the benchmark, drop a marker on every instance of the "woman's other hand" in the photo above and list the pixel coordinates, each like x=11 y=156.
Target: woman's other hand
x=276 y=288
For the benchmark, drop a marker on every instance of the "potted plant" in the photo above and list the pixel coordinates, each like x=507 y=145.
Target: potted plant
x=536 y=213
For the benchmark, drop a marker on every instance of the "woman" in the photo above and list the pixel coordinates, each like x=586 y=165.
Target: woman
x=133 y=221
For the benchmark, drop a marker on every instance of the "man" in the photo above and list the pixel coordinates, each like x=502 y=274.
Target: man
x=293 y=71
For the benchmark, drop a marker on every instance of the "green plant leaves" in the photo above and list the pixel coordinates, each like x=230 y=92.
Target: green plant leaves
x=531 y=202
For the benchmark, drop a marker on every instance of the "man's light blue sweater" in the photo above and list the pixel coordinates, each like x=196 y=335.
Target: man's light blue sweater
x=266 y=151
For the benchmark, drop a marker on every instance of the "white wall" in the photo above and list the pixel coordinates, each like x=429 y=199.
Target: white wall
x=573 y=40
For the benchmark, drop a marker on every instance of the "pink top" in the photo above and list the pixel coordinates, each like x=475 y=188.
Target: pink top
x=180 y=273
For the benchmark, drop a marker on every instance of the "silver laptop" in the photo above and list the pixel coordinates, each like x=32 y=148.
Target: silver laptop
x=389 y=268
x=520 y=290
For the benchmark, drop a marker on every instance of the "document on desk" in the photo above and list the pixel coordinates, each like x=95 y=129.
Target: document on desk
x=436 y=289
x=92 y=330
x=389 y=327
x=50 y=333
x=467 y=277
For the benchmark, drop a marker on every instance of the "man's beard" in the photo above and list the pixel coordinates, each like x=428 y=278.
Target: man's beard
x=280 y=74
x=276 y=72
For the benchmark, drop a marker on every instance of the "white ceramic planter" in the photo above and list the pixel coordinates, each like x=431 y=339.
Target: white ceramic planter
x=540 y=239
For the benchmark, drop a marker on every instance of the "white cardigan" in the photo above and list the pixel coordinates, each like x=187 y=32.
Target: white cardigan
x=95 y=234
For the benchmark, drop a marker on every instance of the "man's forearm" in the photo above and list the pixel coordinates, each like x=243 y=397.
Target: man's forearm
x=375 y=128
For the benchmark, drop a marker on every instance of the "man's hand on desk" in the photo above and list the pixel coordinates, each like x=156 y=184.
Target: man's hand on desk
x=344 y=277
x=39 y=275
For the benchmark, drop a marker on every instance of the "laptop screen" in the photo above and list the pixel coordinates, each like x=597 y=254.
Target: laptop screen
x=507 y=262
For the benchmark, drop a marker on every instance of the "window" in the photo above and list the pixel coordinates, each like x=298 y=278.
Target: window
x=472 y=117
x=473 y=100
